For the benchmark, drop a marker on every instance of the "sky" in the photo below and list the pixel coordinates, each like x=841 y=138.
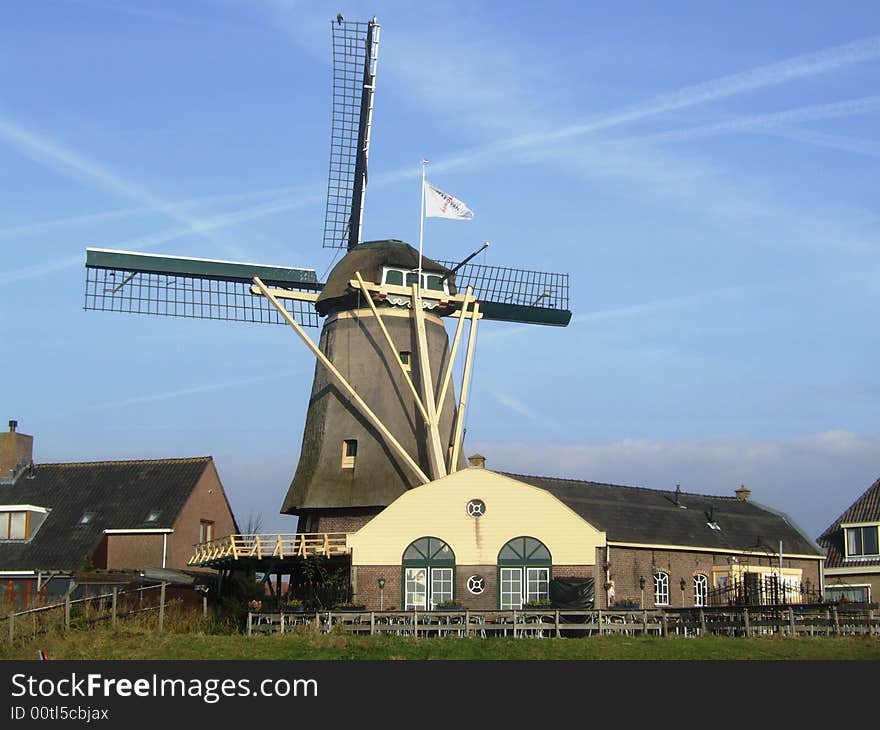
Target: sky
x=706 y=173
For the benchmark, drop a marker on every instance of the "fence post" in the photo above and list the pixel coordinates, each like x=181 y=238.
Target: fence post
x=599 y=621
x=67 y=612
x=372 y=623
x=870 y=622
x=665 y=622
x=467 y=623
x=113 y=607
x=162 y=607
x=250 y=623
x=836 y=621
x=11 y=620
x=644 y=623
x=791 y=629
x=746 y=622
x=204 y=607
x=557 y=624
x=702 y=622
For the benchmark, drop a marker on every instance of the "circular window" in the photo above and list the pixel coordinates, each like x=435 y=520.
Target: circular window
x=476 y=508
x=476 y=584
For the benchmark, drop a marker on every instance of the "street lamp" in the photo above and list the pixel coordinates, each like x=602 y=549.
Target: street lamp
x=381 y=583
x=642 y=591
x=682 y=584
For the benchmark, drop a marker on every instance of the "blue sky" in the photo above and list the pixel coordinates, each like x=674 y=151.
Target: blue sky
x=706 y=174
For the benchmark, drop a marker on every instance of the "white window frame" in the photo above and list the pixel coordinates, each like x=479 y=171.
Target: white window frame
x=537 y=584
x=661 y=588
x=442 y=586
x=510 y=588
x=701 y=590
x=415 y=587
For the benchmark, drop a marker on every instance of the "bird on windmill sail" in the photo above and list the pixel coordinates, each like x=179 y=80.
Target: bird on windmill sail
x=339 y=18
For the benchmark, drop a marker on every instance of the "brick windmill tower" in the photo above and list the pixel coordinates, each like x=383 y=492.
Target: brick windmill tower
x=383 y=415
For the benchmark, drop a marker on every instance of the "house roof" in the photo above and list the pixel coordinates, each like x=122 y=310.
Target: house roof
x=120 y=494
x=865 y=509
x=653 y=517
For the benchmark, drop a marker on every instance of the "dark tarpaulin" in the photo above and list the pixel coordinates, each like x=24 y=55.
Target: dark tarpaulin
x=572 y=592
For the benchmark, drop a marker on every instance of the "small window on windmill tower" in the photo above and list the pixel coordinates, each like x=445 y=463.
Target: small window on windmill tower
x=349 y=453
x=406 y=360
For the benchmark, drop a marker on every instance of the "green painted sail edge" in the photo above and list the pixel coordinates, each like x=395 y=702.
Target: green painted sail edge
x=525 y=314
x=205 y=268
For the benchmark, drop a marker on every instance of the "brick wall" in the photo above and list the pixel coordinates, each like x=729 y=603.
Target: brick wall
x=337 y=520
x=206 y=502
x=366 y=587
x=627 y=565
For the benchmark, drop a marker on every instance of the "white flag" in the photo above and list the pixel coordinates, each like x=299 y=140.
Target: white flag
x=442 y=205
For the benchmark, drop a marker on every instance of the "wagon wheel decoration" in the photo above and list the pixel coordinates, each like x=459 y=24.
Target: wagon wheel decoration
x=476 y=584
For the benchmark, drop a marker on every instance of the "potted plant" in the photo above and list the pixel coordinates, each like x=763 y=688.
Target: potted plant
x=348 y=606
x=539 y=603
x=449 y=605
x=294 y=605
x=255 y=606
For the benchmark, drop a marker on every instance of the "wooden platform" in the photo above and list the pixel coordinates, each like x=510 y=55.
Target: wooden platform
x=257 y=549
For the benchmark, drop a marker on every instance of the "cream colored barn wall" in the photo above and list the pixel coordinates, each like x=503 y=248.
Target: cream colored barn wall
x=513 y=509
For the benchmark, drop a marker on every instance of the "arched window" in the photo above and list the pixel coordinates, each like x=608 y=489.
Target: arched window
x=661 y=588
x=701 y=589
x=428 y=574
x=523 y=572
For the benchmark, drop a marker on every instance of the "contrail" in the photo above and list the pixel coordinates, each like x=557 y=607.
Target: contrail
x=765 y=122
x=154 y=397
x=38 y=227
x=67 y=161
x=148 y=242
x=825 y=61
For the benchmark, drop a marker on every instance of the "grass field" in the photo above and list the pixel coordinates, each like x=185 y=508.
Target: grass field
x=143 y=643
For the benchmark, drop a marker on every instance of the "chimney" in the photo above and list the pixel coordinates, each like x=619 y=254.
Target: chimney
x=743 y=493
x=477 y=461
x=16 y=452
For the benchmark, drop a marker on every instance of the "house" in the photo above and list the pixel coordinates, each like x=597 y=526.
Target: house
x=852 y=567
x=60 y=520
x=489 y=540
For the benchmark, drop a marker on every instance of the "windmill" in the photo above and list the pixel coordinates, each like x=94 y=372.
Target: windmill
x=383 y=416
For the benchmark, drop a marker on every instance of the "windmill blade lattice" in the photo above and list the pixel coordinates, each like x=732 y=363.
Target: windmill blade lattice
x=516 y=295
x=355 y=56
x=173 y=286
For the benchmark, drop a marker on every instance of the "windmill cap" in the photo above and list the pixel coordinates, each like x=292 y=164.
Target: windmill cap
x=369 y=259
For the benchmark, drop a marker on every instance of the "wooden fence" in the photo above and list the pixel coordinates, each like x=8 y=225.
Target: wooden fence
x=91 y=609
x=740 y=621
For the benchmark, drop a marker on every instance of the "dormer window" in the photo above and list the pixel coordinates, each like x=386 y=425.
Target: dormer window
x=861 y=541
x=86 y=518
x=152 y=516
x=21 y=521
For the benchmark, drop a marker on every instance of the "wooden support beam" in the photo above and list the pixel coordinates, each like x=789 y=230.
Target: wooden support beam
x=300 y=296
x=447 y=376
x=394 y=352
x=371 y=417
x=435 y=445
x=465 y=385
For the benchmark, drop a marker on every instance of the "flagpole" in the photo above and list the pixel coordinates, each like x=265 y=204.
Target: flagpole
x=422 y=222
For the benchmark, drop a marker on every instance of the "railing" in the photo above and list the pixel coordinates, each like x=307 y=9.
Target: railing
x=270 y=545
x=91 y=609
x=783 y=620
x=519 y=623
x=762 y=590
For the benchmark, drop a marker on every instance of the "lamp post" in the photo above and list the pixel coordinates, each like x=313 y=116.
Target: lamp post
x=381 y=583
x=642 y=591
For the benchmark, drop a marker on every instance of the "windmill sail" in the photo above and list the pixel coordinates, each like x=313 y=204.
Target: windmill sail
x=177 y=286
x=516 y=295
x=355 y=56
